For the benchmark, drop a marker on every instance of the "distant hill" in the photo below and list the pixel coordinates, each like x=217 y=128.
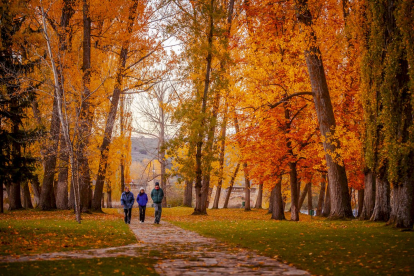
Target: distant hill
x=143 y=148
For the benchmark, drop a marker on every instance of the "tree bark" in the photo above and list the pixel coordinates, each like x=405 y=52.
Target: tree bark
x=382 y=199
x=272 y=199
x=1 y=198
x=27 y=201
x=360 y=201
x=162 y=153
x=369 y=196
x=259 y=197
x=200 y=208
x=110 y=122
x=277 y=206
x=310 y=207
x=327 y=206
x=50 y=160
x=188 y=193
x=246 y=188
x=36 y=190
x=321 y=198
x=62 y=184
x=15 y=202
x=402 y=215
x=109 y=199
x=294 y=215
x=121 y=122
x=302 y=196
x=340 y=203
x=221 y=161
x=233 y=178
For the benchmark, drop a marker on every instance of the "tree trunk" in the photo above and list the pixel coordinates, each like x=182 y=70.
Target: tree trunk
x=36 y=190
x=321 y=198
x=221 y=161
x=121 y=122
x=161 y=150
x=1 y=198
x=277 y=206
x=293 y=192
x=109 y=199
x=201 y=191
x=71 y=196
x=360 y=201
x=338 y=184
x=369 y=196
x=272 y=199
x=233 y=178
x=327 y=206
x=15 y=202
x=259 y=197
x=62 y=184
x=402 y=215
x=188 y=193
x=302 y=196
x=382 y=200
x=246 y=188
x=310 y=207
x=27 y=201
x=110 y=122
x=55 y=124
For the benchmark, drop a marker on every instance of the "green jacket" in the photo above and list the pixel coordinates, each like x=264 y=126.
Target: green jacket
x=157 y=195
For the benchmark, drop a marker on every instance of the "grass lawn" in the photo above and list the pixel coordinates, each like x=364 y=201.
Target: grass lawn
x=99 y=266
x=33 y=232
x=318 y=245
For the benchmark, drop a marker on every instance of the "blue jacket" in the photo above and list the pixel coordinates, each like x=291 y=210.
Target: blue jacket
x=142 y=199
x=127 y=199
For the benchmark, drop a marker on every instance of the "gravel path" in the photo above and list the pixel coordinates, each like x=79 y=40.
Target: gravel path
x=179 y=252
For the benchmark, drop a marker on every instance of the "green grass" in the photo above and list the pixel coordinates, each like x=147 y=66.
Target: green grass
x=320 y=246
x=33 y=232
x=99 y=266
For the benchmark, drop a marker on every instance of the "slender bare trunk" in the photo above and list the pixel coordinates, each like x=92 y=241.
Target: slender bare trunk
x=327 y=206
x=46 y=196
x=360 y=201
x=62 y=184
x=233 y=178
x=278 y=212
x=293 y=192
x=121 y=122
x=310 y=207
x=201 y=190
x=272 y=199
x=302 y=196
x=27 y=200
x=110 y=122
x=162 y=153
x=321 y=198
x=338 y=183
x=369 y=196
x=221 y=161
x=188 y=193
x=259 y=197
x=1 y=198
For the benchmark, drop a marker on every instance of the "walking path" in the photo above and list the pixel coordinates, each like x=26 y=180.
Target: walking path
x=179 y=252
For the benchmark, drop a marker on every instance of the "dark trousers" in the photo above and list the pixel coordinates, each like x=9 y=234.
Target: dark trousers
x=158 y=210
x=127 y=218
x=142 y=213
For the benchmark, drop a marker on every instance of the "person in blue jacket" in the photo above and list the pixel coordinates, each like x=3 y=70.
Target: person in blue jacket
x=142 y=200
x=127 y=201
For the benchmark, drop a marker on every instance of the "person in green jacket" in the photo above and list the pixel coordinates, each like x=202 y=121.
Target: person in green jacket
x=157 y=194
